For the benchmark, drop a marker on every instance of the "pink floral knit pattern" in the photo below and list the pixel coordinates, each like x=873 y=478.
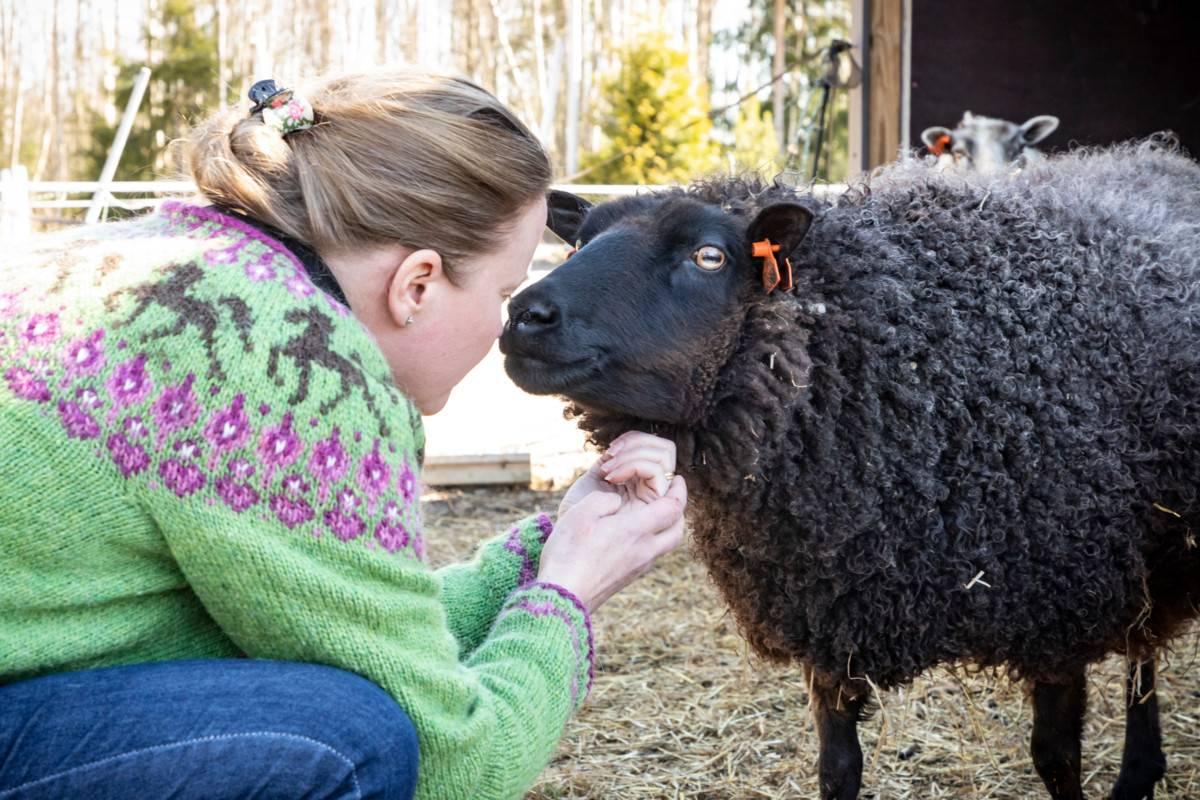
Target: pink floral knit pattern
x=320 y=465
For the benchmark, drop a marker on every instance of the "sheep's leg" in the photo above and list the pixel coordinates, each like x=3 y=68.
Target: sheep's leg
x=1143 y=763
x=839 y=766
x=1057 y=732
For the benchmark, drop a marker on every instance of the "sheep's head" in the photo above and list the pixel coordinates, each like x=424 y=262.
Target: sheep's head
x=642 y=317
x=986 y=144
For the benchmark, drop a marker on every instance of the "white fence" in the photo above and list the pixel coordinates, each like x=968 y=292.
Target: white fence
x=29 y=205
x=26 y=204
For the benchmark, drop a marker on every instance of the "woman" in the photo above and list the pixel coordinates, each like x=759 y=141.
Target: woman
x=205 y=456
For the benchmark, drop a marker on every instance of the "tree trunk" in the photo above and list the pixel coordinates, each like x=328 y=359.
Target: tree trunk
x=549 y=126
x=381 y=31
x=6 y=60
x=49 y=153
x=516 y=76
x=16 y=128
x=574 y=79
x=326 y=31
x=704 y=11
x=79 y=95
x=222 y=53
x=539 y=59
x=777 y=64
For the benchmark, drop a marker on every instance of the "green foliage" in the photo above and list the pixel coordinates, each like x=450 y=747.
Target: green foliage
x=655 y=121
x=182 y=88
x=754 y=147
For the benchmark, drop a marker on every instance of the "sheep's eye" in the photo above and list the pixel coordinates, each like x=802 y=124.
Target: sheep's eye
x=709 y=257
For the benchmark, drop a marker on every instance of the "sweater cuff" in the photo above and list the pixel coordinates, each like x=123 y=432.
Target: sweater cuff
x=525 y=540
x=548 y=601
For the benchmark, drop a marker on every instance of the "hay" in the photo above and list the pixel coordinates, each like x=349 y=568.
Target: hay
x=680 y=709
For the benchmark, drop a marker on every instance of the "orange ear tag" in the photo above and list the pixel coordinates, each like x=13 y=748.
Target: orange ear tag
x=939 y=145
x=770 y=276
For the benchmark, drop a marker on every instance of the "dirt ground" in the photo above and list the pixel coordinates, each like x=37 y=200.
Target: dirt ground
x=680 y=709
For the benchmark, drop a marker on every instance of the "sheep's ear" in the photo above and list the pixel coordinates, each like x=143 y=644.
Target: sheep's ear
x=784 y=224
x=1038 y=128
x=930 y=136
x=565 y=213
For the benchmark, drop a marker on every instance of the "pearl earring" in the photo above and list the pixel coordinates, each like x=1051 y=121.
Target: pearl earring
x=408 y=321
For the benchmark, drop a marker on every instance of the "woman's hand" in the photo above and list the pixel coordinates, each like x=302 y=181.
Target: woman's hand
x=636 y=466
x=602 y=543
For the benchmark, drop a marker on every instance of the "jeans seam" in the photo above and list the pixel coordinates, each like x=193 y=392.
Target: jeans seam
x=169 y=745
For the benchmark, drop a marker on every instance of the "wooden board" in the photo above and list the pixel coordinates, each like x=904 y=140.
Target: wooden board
x=478 y=470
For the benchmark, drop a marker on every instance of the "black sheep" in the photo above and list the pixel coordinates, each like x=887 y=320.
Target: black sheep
x=969 y=434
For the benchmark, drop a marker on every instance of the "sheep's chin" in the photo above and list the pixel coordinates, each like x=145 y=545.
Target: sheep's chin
x=537 y=376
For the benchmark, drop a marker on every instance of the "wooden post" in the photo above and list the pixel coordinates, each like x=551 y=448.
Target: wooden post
x=857 y=162
x=885 y=64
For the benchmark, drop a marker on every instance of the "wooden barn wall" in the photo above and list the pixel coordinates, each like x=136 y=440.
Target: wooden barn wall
x=1108 y=69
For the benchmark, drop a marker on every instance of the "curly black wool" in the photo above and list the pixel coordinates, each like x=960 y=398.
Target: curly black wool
x=972 y=432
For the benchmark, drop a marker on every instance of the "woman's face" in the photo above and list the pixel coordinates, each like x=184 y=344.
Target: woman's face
x=453 y=326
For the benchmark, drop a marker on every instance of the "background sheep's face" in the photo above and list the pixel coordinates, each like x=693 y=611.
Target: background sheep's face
x=985 y=144
x=639 y=320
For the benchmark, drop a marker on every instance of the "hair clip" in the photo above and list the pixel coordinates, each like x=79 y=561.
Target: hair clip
x=282 y=109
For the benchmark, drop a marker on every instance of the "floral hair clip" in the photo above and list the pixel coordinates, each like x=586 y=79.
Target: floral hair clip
x=282 y=109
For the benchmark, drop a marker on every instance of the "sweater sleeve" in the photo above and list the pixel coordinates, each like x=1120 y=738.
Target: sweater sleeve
x=474 y=592
x=486 y=725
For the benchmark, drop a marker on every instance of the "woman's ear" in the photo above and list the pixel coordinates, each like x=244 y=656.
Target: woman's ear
x=411 y=284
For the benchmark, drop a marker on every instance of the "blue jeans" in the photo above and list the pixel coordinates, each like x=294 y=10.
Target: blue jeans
x=204 y=729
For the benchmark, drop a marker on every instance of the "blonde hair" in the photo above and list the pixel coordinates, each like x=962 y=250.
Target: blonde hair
x=395 y=157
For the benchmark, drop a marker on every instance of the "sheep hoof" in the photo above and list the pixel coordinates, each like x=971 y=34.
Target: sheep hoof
x=1137 y=778
x=841 y=775
x=845 y=787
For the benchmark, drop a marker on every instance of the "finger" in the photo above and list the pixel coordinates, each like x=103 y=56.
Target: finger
x=631 y=470
x=678 y=490
x=668 y=540
x=596 y=469
x=597 y=504
x=661 y=455
x=618 y=443
x=653 y=517
x=644 y=472
x=636 y=439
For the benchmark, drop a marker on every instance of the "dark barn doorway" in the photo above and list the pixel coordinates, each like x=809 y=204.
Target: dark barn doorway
x=1108 y=69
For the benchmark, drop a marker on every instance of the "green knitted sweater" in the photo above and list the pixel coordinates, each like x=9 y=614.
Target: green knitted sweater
x=202 y=455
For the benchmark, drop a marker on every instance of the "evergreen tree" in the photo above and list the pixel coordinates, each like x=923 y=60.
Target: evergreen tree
x=182 y=90
x=655 y=120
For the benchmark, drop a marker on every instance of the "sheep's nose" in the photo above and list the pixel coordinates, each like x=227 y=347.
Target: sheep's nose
x=541 y=315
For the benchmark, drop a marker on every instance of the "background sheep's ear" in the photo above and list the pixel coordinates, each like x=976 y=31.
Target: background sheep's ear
x=1038 y=128
x=783 y=223
x=930 y=136
x=565 y=213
